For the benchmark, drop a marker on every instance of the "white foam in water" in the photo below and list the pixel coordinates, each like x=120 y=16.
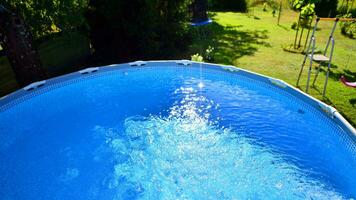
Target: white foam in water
x=184 y=156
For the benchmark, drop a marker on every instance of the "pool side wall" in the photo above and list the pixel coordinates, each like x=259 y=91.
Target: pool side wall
x=47 y=85
x=330 y=111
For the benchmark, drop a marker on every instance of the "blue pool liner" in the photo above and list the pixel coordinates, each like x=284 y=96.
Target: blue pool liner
x=44 y=86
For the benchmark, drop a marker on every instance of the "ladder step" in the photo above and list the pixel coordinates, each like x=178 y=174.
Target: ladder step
x=319 y=58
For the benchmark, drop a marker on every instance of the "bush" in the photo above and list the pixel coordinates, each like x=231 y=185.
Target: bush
x=47 y=17
x=348 y=28
x=294 y=25
x=229 y=5
x=344 y=9
x=136 y=29
x=197 y=58
x=326 y=8
x=209 y=54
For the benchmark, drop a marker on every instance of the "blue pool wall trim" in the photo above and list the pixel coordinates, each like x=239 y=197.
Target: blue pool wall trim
x=46 y=85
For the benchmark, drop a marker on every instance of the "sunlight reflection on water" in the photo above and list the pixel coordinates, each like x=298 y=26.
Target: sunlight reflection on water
x=186 y=156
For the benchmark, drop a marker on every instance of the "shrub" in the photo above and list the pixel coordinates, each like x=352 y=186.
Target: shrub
x=345 y=9
x=137 y=29
x=209 y=54
x=47 y=17
x=294 y=25
x=326 y=8
x=197 y=58
x=348 y=28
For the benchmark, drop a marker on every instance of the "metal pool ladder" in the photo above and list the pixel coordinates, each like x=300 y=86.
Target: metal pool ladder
x=321 y=58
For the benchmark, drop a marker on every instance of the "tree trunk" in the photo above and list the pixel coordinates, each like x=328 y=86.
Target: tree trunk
x=17 y=42
x=300 y=37
x=279 y=12
x=200 y=10
x=309 y=27
x=296 y=34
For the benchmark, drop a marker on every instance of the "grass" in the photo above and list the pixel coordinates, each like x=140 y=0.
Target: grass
x=61 y=55
x=255 y=43
x=252 y=42
x=7 y=77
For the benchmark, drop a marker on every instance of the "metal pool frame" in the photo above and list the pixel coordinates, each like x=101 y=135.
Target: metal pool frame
x=47 y=85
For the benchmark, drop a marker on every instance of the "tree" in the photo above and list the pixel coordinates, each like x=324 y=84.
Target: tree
x=138 y=29
x=49 y=16
x=17 y=42
x=326 y=8
x=306 y=13
x=43 y=18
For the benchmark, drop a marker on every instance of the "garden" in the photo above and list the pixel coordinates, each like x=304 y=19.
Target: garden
x=254 y=35
x=177 y=99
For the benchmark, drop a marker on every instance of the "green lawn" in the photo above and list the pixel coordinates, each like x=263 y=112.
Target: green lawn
x=61 y=55
x=255 y=43
x=250 y=42
x=7 y=77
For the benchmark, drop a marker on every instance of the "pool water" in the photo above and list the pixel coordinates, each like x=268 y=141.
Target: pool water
x=168 y=132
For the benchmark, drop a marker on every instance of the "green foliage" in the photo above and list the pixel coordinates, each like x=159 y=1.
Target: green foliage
x=209 y=53
x=197 y=58
x=73 y=48
x=273 y=4
x=118 y=29
x=308 y=10
x=46 y=17
x=264 y=6
x=345 y=9
x=305 y=7
x=294 y=26
x=326 y=8
x=229 y=5
x=322 y=8
x=348 y=28
x=138 y=29
x=306 y=13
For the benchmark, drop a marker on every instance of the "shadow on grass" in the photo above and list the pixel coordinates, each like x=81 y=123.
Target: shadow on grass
x=353 y=102
x=255 y=17
x=283 y=27
x=329 y=102
x=335 y=75
x=229 y=42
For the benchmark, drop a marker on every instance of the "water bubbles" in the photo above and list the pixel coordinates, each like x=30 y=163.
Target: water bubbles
x=279 y=185
x=70 y=174
x=185 y=155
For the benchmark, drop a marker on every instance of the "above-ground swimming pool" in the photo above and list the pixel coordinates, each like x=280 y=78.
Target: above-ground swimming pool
x=172 y=130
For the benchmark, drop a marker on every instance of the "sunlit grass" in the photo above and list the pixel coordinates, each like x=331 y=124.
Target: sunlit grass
x=255 y=42
x=252 y=41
